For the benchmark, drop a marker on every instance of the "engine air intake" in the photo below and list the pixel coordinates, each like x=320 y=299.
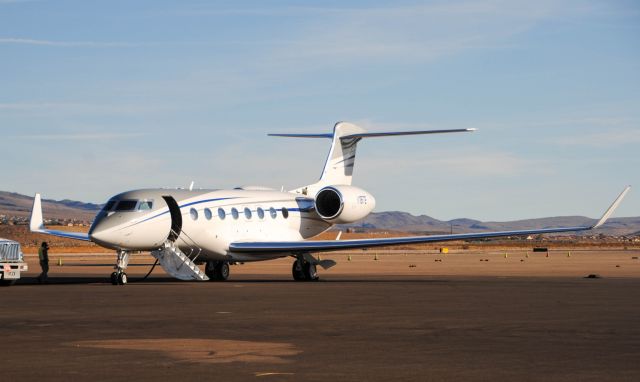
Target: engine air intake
x=329 y=203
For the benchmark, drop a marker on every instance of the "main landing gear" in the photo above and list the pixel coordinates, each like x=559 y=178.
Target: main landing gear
x=217 y=270
x=304 y=270
x=119 y=277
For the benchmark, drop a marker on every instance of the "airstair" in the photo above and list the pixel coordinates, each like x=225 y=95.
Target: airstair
x=178 y=264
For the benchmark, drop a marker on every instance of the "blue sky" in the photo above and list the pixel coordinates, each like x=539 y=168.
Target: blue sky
x=97 y=97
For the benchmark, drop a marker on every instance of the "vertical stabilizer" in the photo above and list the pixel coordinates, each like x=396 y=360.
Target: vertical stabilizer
x=338 y=169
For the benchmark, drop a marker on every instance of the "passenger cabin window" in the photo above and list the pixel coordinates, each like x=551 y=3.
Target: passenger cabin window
x=234 y=213
x=208 y=214
x=145 y=205
x=285 y=212
x=260 y=213
x=273 y=213
x=194 y=214
x=126 y=205
x=247 y=213
x=221 y=214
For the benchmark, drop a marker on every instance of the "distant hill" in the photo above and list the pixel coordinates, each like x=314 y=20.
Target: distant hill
x=13 y=204
x=403 y=221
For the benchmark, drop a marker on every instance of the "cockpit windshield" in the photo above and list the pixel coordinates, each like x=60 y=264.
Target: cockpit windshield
x=126 y=205
x=109 y=206
x=145 y=205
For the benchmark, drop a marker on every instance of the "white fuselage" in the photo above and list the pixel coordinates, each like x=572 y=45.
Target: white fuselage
x=210 y=221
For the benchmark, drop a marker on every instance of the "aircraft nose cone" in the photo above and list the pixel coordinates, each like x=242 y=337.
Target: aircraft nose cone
x=101 y=234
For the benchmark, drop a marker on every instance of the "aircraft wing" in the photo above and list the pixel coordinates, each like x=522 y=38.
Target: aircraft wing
x=36 y=224
x=336 y=245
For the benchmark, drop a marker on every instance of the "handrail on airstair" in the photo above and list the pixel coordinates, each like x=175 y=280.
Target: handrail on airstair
x=192 y=246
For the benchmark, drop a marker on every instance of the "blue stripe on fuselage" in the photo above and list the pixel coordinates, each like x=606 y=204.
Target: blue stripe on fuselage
x=304 y=209
x=182 y=206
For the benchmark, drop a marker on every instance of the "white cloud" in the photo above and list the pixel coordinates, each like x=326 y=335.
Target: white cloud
x=105 y=44
x=459 y=162
x=81 y=136
x=410 y=34
x=2 y=2
x=603 y=139
x=28 y=41
x=82 y=108
x=588 y=131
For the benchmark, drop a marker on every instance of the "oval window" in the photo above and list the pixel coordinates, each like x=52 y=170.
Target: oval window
x=208 y=214
x=247 y=213
x=285 y=212
x=194 y=214
x=234 y=213
x=221 y=214
x=260 y=213
x=273 y=213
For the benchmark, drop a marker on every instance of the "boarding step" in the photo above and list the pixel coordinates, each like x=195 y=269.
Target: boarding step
x=177 y=264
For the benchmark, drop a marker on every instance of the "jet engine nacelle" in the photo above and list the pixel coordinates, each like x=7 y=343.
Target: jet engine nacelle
x=343 y=204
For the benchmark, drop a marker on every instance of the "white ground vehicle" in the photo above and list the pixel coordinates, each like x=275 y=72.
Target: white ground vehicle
x=11 y=262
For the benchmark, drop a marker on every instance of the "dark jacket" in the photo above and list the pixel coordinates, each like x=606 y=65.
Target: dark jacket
x=43 y=254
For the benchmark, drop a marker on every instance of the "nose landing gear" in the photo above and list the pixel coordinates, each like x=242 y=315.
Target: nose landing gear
x=119 y=277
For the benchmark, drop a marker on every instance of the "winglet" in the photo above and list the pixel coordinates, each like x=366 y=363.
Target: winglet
x=613 y=207
x=36 y=222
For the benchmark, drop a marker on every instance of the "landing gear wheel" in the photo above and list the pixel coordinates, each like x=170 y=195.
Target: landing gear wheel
x=222 y=271
x=217 y=270
x=119 y=278
x=310 y=272
x=210 y=269
x=297 y=271
x=304 y=271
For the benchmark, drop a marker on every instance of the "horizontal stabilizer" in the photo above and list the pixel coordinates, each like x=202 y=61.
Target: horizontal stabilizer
x=396 y=133
x=302 y=135
x=373 y=135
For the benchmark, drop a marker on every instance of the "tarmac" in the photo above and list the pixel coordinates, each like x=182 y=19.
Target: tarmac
x=401 y=317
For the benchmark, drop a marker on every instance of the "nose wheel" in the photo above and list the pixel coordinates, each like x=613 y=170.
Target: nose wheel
x=119 y=278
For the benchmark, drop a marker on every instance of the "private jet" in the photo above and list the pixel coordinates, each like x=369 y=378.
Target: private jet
x=185 y=228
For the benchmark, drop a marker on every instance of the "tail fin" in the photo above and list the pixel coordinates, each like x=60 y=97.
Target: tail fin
x=338 y=168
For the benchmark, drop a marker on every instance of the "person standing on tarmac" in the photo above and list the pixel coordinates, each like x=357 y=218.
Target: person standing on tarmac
x=43 y=255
